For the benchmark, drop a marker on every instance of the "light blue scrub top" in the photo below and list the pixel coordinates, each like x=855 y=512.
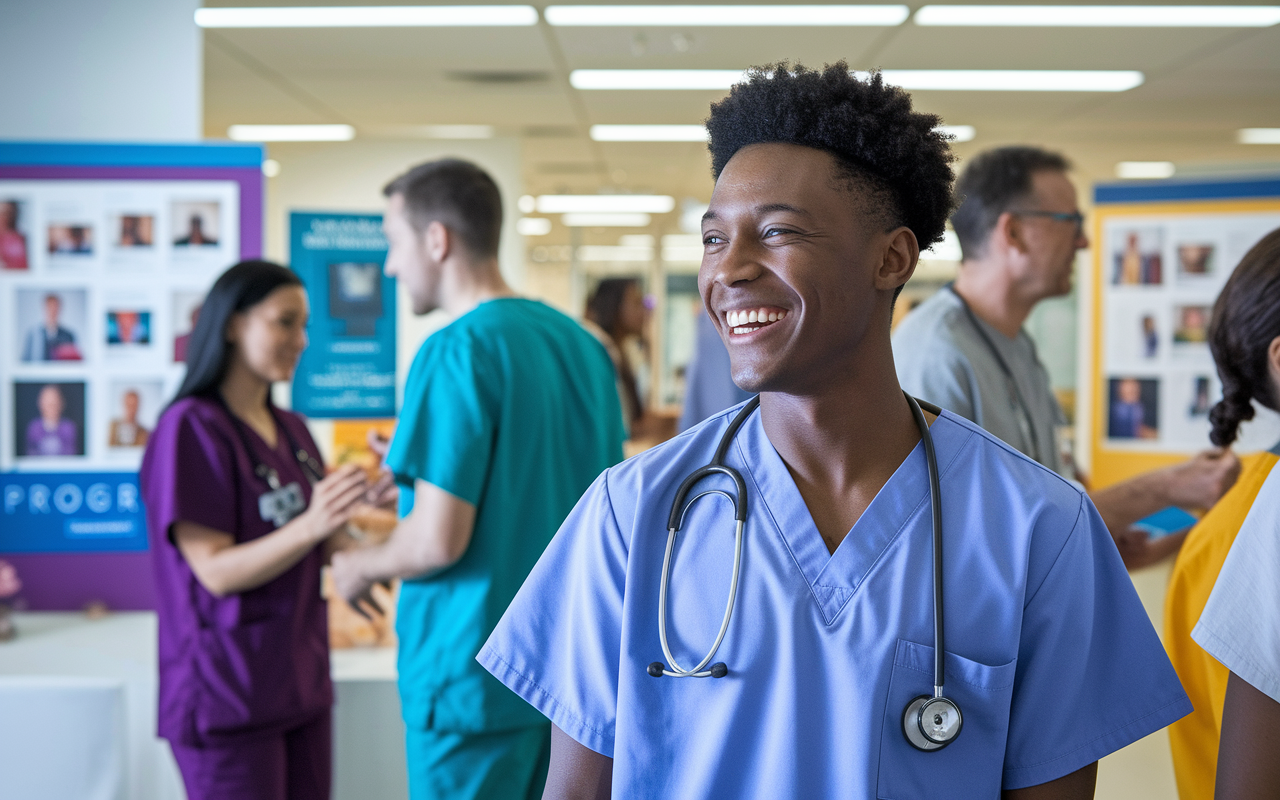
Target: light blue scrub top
x=1050 y=655
x=512 y=408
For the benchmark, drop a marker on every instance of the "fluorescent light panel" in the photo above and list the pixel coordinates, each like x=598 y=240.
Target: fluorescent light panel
x=533 y=226
x=367 y=17
x=291 y=133
x=971 y=80
x=605 y=203
x=698 y=133
x=586 y=220
x=1101 y=16
x=1145 y=170
x=958 y=133
x=649 y=133
x=726 y=16
x=1259 y=135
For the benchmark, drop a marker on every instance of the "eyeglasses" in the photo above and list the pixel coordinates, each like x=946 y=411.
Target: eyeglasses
x=1074 y=217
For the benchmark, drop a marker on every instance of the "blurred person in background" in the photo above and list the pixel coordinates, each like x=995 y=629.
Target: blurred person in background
x=965 y=349
x=239 y=513
x=709 y=386
x=1244 y=337
x=616 y=315
x=510 y=412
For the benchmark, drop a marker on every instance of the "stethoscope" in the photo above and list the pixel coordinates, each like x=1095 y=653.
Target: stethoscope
x=930 y=721
x=1015 y=394
x=310 y=466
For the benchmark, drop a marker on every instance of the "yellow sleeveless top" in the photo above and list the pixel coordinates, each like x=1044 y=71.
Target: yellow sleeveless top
x=1194 y=738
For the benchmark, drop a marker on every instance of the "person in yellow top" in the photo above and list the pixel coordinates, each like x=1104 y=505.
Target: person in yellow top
x=1244 y=329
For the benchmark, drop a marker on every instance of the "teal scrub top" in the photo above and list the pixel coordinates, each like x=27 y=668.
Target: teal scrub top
x=513 y=408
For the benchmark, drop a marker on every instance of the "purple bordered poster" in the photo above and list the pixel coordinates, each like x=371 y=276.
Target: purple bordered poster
x=106 y=251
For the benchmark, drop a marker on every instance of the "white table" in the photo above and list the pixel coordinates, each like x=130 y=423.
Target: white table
x=62 y=737
x=121 y=650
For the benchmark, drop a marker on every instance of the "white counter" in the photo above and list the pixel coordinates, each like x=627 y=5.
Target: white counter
x=368 y=732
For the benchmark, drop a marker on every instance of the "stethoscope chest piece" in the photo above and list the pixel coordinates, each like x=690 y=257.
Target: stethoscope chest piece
x=931 y=723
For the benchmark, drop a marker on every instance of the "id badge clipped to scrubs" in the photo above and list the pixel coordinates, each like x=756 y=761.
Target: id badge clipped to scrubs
x=282 y=504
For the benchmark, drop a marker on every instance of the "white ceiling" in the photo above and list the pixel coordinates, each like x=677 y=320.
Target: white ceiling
x=1201 y=86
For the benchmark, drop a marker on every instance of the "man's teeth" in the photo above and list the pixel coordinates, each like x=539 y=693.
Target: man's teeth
x=762 y=316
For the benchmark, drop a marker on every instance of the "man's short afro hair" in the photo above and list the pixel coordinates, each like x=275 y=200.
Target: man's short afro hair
x=867 y=125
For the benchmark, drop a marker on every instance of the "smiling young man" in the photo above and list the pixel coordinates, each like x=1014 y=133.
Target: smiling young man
x=826 y=189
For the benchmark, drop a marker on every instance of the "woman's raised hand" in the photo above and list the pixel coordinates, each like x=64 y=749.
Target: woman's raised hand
x=334 y=499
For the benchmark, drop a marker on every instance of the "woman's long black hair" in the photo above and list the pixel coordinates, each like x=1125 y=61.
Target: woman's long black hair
x=1246 y=318
x=238 y=289
x=604 y=307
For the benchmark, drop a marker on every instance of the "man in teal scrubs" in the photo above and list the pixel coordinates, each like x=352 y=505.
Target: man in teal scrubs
x=509 y=413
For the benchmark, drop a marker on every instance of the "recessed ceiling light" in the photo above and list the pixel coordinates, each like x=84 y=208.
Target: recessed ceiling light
x=973 y=80
x=291 y=133
x=1102 y=16
x=958 y=133
x=1144 y=169
x=725 y=15
x=367 y=17
x=533 y=226
x=1014 y=80
x=605 y=203
x=271 y=168
x=1259 y=135
x=649 y=133
x=584 y=220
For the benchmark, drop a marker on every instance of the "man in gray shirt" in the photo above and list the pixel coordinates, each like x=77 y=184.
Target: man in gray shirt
x=964 y=348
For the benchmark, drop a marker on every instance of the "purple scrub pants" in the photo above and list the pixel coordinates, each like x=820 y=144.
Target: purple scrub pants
x=294 y=765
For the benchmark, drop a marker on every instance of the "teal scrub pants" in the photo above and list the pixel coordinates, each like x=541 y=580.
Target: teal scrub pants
x=505 y=765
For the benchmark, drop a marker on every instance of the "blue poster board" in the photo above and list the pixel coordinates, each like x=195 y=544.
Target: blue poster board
x=81 y=512
x=349 y=369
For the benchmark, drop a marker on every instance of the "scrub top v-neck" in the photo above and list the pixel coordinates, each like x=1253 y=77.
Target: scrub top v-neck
x=1049 y=651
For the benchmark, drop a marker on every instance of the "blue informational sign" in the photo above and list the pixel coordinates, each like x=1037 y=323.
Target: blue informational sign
x=349 y=369
x=71 y=512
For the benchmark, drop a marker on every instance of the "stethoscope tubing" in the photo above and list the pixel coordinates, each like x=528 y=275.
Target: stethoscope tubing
x=935 y=503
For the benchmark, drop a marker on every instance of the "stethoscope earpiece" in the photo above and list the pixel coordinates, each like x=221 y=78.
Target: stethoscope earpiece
x=718 y=670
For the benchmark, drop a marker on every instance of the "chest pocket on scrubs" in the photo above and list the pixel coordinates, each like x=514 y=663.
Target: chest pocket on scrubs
x=972 y=765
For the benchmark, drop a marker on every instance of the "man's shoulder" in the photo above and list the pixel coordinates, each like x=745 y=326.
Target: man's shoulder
x=673 y=457
x=1018 y=476
x=940 y=316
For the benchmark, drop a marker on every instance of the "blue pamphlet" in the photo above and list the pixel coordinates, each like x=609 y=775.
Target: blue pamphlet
x=1166 y=521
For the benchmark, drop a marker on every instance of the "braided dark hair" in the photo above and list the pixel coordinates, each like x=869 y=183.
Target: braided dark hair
x=1246 y=319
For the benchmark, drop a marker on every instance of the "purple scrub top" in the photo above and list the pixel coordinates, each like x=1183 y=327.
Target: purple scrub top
x=252 y=662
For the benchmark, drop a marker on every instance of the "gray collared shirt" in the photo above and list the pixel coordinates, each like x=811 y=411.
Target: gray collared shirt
x=949 y=357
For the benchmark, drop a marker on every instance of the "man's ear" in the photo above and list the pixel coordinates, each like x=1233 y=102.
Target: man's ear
x=438 y=241
x=898 y=263
x=1008 y=233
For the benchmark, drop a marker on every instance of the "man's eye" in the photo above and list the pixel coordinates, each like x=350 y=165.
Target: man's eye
x=775 y=231
x=712 y=239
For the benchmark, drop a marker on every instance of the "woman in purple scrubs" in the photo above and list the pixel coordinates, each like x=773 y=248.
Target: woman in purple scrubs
x=238 y=508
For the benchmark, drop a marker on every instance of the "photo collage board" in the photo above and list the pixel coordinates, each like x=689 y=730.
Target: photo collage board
x=1160 y=277
x=101 y=282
